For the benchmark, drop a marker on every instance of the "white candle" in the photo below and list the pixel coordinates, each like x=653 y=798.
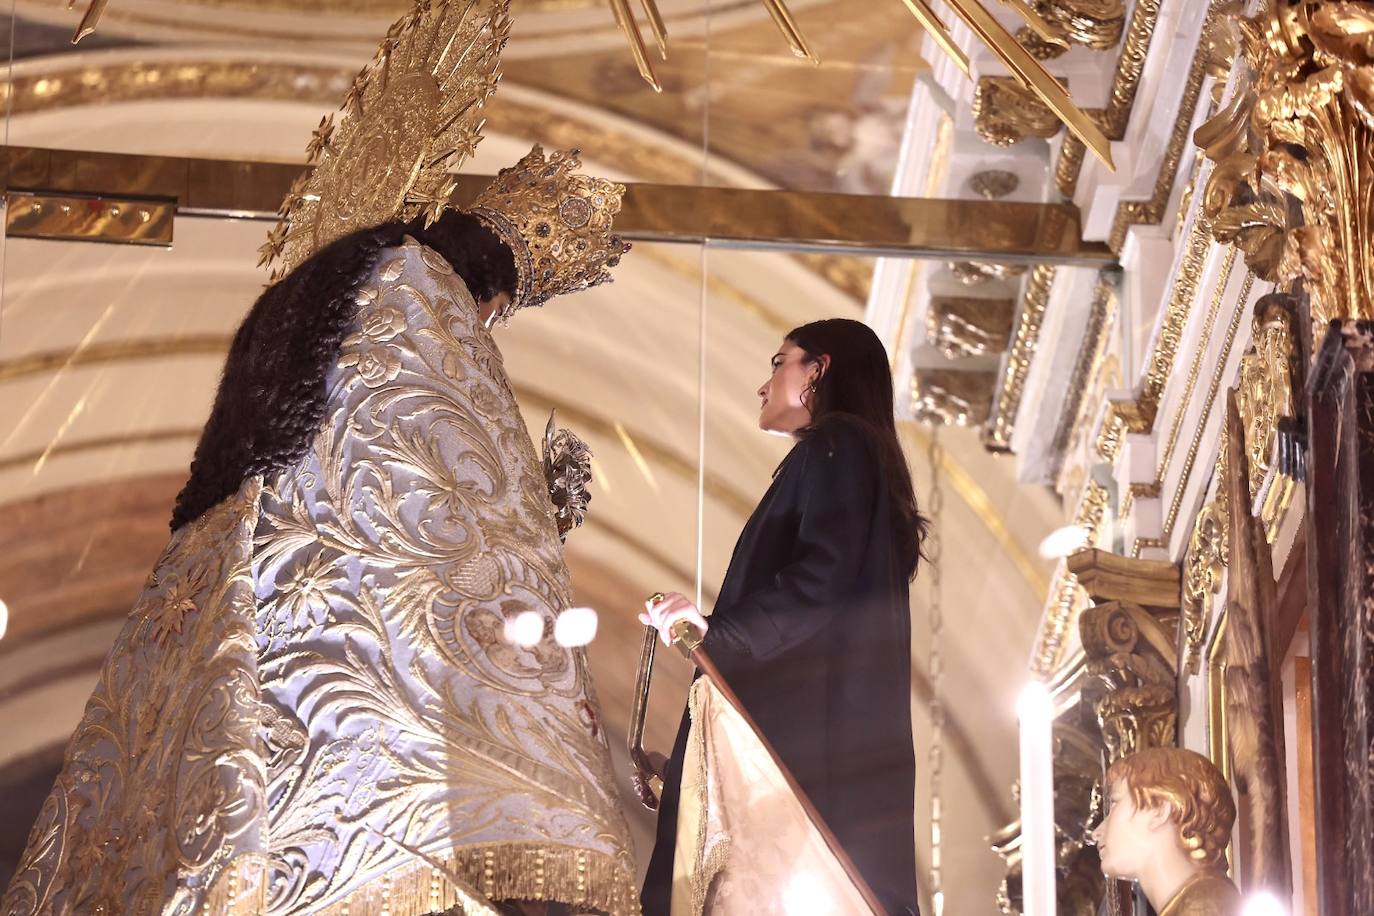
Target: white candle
x=1036 y=712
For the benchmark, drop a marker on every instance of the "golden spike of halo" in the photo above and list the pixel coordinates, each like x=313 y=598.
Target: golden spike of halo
x=788 y=26
x=626 y=20
x=410 y=117
x=657 y=26
x=932 y=23
x=1032 y=74
x=1042 y=29
x=90 y=20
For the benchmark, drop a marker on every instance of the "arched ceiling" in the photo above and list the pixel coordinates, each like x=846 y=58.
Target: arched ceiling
x=109 y=357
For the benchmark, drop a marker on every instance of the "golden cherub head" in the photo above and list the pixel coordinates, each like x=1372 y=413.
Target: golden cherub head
x=1165 y=794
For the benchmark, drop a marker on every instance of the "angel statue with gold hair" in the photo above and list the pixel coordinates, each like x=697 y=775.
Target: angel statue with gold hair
x=312 y=708
x=1167 y=827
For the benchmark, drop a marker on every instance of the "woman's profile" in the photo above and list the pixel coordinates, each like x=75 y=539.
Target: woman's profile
x=812 y=627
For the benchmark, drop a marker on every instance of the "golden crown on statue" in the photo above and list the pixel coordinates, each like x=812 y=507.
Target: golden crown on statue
x=411 y=117
x=556 y=222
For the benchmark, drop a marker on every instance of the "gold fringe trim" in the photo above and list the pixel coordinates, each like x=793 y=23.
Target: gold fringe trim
x=465 y=882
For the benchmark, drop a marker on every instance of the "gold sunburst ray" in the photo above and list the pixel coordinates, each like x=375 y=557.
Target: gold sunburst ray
x=410 y=117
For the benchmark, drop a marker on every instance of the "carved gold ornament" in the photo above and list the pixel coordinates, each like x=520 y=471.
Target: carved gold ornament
x=410 y=118
x=1089 y=22
x=556 y=223
x=967 y=326
x=1005 y=112
x=1301 y=125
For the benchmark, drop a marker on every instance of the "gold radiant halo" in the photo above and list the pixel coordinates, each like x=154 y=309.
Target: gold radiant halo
x=411 y=117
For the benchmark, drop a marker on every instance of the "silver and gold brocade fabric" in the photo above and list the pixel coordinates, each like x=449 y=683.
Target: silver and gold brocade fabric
x=398 y=754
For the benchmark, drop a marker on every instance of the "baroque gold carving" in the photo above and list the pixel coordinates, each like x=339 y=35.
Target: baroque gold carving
x=976 y=273
x=1266 y=391
x=1305 y=128
x=1203 y=566
x=1133 y=693
x=966 y=326
x=1066 y=596
x=1138 y=414
x=1005 y=112
x=997 y=434
x=951 y=397
x=1095 y=24
x=1124 y=84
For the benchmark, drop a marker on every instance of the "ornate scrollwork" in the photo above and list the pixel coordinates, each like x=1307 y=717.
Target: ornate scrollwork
x=1203 y=567
x=1134 y=690
x=1095 y=24
x=1005 y=112
x=1303 y=126
x=951 y=397
x=966 y=326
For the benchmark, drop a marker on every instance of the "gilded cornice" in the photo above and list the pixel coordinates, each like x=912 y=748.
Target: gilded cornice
x=1150 y=212
x=1292 y=186
x=1115 y=117
x=1166 y=455
x=1086 y=383
x=1199 y=428
x=1012 y=380
x=1137 y=415
x=1066 y=596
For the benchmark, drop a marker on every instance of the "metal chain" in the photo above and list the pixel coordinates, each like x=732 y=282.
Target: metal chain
x=935 y=670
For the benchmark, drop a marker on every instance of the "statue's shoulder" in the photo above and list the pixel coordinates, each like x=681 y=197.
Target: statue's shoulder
x=1206 y=895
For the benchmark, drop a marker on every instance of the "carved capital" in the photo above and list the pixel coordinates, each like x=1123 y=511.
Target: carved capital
x=1130 y=652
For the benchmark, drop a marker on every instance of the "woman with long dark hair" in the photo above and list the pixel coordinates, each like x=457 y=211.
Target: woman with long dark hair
x=812 y=627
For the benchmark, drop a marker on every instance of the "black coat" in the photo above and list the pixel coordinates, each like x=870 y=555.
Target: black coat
x=813 y=631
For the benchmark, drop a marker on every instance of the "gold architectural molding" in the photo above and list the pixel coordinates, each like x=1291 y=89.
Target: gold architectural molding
x=1007 y=400
x=1266 y=393
x=961 y=326
x=951 y=397
x=1124 y=84
x=1066 y=597
x=1129 y=642
x=1137 y=415
x=1195 y=443
x=1151 y=211
x=1005 y=112
x=1089 y=379
x=1301 y=131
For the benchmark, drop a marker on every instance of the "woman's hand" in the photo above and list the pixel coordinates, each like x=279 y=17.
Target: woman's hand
x=663 y=614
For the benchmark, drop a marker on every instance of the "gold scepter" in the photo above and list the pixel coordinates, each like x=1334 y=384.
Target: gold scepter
x=649 y=784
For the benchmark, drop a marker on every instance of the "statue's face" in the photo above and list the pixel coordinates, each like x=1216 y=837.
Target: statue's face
x=490 y=308
x=1127 y=836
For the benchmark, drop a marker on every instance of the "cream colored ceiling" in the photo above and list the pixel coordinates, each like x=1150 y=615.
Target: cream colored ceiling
x=109 y=357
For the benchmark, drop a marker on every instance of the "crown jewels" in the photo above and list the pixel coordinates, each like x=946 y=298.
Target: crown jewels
x=555 y=222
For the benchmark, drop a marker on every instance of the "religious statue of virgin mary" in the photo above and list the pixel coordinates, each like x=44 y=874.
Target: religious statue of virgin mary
x=312 y=708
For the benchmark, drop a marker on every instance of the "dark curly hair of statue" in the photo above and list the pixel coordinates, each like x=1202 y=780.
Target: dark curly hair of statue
x=271 y=398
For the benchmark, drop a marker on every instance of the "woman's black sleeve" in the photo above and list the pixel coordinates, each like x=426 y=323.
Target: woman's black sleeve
x=836 y=490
